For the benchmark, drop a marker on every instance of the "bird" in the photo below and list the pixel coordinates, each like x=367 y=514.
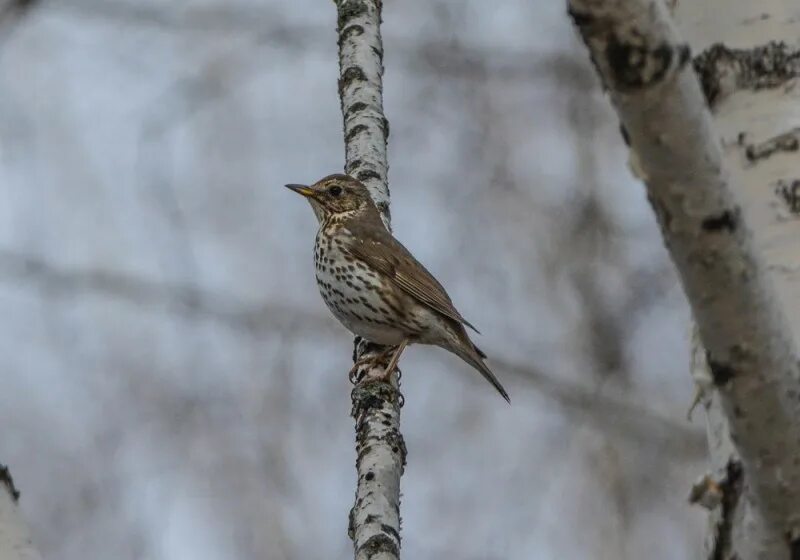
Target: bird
x=374 y=286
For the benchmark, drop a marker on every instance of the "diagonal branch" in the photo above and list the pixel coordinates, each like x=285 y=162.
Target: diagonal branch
x=182 y=300
x=754 y=364
x=381 y=454
x=614 y=414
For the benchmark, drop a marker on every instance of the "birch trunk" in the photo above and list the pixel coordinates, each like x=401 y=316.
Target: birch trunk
x=726 y=197
x=381 y=454
x=15 y=539
x=748 y=61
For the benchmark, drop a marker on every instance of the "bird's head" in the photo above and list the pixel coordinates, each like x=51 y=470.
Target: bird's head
x=336 y=195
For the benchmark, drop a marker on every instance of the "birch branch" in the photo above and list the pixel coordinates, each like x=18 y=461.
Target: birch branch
x=15 y=538
x=381 y=454
x=754 y=367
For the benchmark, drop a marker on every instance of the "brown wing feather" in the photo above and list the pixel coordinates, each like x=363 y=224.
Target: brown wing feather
x=388 y=256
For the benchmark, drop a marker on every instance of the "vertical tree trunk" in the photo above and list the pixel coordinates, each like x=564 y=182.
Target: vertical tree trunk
x=375 y=518
x=728 y=214
x=15 y=539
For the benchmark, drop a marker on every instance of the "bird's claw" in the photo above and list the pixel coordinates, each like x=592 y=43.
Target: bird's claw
x=353 y=374
x=365 y=360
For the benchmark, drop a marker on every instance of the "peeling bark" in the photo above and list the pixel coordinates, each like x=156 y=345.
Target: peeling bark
x=723 y=71
x=751 y=347
x=752 y=62
x=374 y=523
x=783 y=142
x=15 y=538
x=726 y=477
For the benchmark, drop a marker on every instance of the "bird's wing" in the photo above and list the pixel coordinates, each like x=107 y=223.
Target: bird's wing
x=382 y=252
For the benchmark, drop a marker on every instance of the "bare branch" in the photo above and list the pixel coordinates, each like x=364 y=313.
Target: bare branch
x=610 y=413
x=431 y=57
x=633 y=423
x=183 y=300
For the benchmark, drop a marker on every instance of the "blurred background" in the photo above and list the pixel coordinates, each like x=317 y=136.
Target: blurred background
x=173 y=386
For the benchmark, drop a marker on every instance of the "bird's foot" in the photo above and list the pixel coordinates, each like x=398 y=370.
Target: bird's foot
x=387 y=373
x=367 y=360
x=352 y=374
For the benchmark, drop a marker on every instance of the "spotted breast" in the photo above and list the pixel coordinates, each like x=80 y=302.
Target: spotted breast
x=356 y=295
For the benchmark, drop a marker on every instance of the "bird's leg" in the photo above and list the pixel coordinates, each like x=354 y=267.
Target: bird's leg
x=369 y=359
x=395 y=358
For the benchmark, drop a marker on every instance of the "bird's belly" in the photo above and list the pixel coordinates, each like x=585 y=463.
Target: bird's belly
x=354 y=299
x=363 y=321
x=379 y=334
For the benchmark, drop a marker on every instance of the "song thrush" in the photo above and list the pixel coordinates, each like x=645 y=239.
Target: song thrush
x=373 y=285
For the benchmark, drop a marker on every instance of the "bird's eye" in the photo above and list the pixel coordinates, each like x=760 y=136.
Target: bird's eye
x=335 y=190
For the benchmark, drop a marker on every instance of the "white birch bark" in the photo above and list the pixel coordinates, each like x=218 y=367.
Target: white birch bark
x=708 y=202
x=750 y=80
x=381 y=454
x=15 y=538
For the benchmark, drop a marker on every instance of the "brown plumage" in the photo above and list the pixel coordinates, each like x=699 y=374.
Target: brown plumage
x=372 y=283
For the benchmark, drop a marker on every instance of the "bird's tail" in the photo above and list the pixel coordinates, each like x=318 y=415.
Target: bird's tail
x=474 y=357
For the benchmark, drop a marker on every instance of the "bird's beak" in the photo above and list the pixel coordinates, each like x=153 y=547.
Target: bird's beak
x=302 y=189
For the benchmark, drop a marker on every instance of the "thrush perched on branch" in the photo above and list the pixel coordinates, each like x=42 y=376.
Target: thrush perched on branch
x=374 y=286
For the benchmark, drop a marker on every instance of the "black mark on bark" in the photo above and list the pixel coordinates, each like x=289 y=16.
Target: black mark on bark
x=634 y=64
x=378 y=52
x=625 y=136
x=366 y=174
x=723 y=70
x=5 y=479
x=727 y=220
x=786 y=142
x=352 y=30
x=349 y=10
x=377 y=544
x=356 y=130
x=731 y=491
x=789 y=192
x=355 y=164
x=351 y=74
x=383 y=208
x=721 y=372
x=355 y=108
x=351 y=522
x=392 y=531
